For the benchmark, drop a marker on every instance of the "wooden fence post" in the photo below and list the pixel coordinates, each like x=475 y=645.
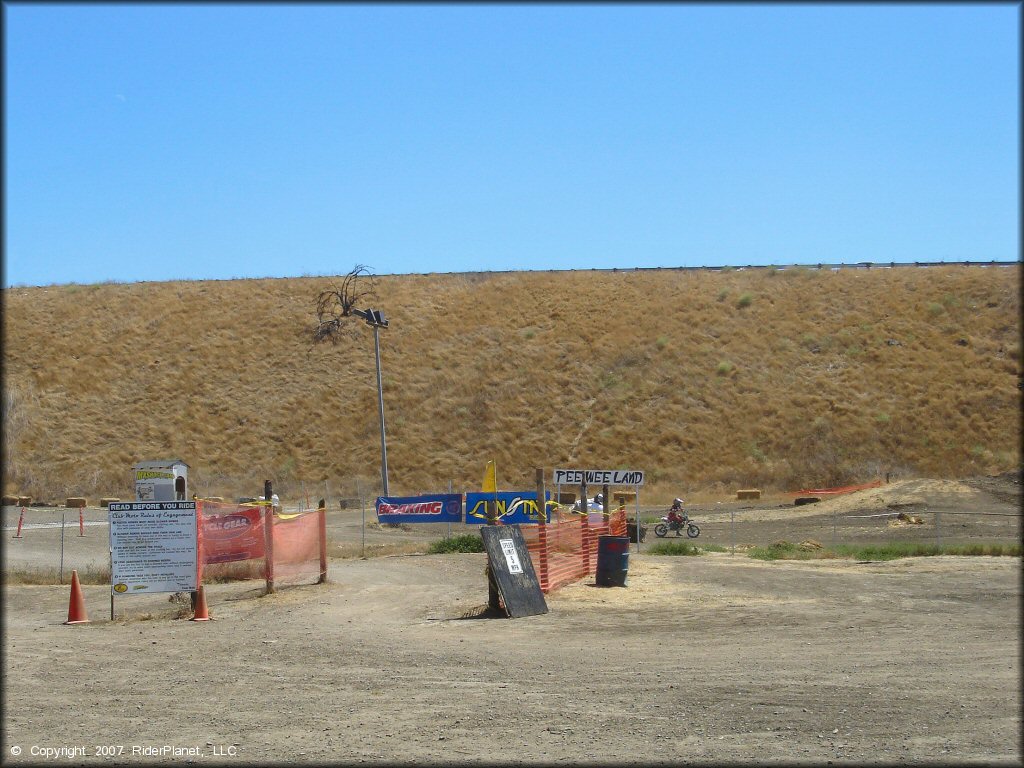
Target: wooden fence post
x=493 y=598
x=322 y=524
x=606 y=505
x=268 y=547
x=585 y=541
x=542 y=532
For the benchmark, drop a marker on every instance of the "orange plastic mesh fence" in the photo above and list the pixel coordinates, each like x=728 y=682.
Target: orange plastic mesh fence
x=836 y=491
x=296 y=548
x=233 y=543
x=565 y=549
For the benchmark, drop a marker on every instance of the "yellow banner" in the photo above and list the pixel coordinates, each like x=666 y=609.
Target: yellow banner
x=490 y=483
x=144 y=474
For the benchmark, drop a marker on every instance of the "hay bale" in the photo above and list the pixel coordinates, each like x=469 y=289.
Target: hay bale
x=566 y=498
x=75 y=502
x=623 y=497
x=11 y=501
x=106 y=502
x=749 y=493
x=24 y=501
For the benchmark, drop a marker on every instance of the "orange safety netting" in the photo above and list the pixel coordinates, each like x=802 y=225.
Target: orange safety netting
x=565 y=549
x=284 y=548
x=299 y=548
x=836 y=491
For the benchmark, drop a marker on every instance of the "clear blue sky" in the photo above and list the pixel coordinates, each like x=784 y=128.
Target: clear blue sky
x=166 y=142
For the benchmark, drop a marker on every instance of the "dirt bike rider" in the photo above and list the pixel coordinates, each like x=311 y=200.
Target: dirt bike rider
x=675 y=513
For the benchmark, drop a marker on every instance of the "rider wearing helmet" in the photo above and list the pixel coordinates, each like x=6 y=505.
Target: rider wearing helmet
x=674 y=515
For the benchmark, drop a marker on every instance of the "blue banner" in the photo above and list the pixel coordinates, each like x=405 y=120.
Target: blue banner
x=433 y=508
x=513 y=507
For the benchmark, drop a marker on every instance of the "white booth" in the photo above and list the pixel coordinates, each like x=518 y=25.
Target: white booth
x=161 y=480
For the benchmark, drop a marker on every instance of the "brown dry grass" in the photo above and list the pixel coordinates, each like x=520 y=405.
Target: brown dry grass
x=595 y=369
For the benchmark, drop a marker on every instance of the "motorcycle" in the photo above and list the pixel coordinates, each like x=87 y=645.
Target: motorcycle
x=661 y=529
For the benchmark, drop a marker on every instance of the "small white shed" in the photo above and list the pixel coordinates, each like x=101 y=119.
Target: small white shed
x=161 y=480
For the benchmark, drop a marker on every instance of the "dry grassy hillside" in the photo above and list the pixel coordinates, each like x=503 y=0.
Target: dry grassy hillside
x=705 y=380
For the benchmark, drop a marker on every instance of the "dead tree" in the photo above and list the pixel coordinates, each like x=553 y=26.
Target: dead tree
x=338 y=302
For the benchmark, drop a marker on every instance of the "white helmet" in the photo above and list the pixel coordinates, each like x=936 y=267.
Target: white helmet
x=677 y=501
x=599 y=498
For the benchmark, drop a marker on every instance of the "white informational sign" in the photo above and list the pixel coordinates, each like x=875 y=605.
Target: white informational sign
x=598 y=477
x=509 y=548
x=153 y=547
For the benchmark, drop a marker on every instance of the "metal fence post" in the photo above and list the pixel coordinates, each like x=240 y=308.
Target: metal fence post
x=62 y=547
x=732 y=530
x=362 y=505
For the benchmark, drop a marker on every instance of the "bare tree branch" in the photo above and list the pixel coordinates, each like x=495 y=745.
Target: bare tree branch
x=336 y=303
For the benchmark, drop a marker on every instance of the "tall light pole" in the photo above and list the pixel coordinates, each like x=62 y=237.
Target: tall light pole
x=376 y=320
x=332 y=307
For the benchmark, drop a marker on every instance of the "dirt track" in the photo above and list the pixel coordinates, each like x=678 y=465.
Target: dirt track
x=709 y=659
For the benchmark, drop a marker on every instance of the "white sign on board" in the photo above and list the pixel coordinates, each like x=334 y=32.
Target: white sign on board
x=509 y=548
x=598 y=477
x=153 y=547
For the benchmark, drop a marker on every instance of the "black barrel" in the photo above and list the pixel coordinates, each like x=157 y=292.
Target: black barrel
x=612 y=561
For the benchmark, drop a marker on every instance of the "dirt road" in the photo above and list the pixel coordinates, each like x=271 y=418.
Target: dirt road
x=711 y=659
x=980 y=509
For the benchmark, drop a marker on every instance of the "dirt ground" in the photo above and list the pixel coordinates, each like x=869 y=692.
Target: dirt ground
x=712 y=659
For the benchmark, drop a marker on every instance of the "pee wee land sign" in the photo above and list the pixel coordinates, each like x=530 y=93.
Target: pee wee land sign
x=154 y=547
x=598 y=477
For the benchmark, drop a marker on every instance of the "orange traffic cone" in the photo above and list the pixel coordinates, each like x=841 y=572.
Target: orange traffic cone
x=202 y=612
x=76 y=607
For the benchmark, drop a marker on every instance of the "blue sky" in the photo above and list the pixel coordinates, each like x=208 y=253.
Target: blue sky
x=168 y=142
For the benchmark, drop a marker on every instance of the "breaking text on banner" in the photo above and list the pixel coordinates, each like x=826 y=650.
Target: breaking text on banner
x=433 y=508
